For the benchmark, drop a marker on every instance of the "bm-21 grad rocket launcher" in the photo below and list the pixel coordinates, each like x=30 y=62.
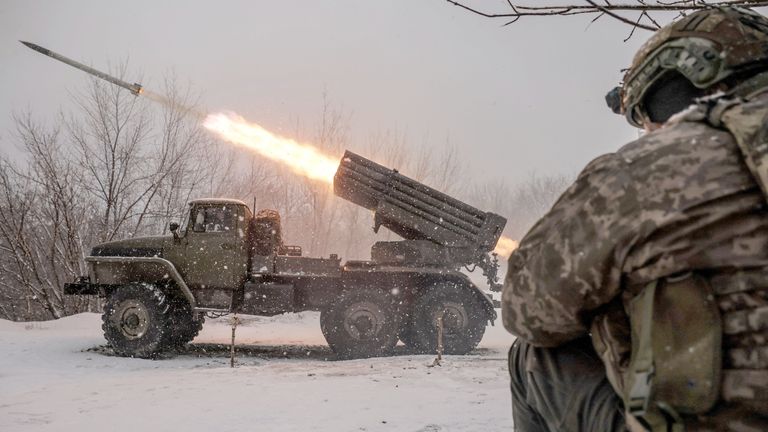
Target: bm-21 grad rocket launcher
x=439 y=230
x=157 y=289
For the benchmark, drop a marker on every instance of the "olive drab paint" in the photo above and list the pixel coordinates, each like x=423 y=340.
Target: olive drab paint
x=224 y=259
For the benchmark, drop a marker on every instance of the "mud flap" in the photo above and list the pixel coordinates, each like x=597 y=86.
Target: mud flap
x=82 y=286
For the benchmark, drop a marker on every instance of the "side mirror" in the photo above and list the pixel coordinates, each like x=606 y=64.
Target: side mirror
x=174 y=226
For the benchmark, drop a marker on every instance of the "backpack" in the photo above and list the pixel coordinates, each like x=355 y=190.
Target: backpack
x=676 y=364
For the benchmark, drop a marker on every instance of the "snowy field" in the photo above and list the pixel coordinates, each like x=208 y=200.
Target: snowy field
x=58 y=376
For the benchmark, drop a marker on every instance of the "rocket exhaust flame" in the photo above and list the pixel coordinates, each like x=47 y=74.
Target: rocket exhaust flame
x=301 y=158
x=505 y=247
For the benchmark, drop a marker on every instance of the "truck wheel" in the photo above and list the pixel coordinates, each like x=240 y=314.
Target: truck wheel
x=136 y=320
x=183 y=327
x=464 y=319
x=363 y=323
x=407 y=336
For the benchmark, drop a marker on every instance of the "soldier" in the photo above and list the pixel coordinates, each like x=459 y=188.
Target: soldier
x=640 y=301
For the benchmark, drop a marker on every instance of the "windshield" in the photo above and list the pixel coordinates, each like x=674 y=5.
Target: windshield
x=214 y=219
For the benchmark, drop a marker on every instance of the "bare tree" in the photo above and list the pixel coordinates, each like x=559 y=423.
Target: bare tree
x=105 y=171
x=637 y=14
x=331 y=138
x=522 y=203
x=41 y=219
x=108 y=133
x=177 y=160
x=447 y=174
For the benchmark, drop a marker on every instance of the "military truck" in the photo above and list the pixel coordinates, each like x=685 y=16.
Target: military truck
x=226 y=259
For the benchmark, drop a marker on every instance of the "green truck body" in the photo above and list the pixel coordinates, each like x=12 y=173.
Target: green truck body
x=225 y=259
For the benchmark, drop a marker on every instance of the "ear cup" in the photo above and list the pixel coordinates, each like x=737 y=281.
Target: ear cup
x=669 y=96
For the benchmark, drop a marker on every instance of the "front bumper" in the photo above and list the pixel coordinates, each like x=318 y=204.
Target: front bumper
x=81 y=286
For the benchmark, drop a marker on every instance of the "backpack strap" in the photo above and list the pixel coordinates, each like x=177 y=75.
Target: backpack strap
x=641 y=367
x=640 y=376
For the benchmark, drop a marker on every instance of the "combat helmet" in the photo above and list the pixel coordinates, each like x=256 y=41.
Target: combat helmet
x=717 y=45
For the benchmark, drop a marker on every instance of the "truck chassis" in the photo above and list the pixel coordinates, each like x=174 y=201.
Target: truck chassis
x=157 y=290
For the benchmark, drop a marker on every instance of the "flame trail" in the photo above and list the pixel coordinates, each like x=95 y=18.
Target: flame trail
x=301 y=158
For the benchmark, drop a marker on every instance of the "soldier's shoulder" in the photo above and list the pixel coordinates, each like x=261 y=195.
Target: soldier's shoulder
x=603 y=164
x=745 y=114
x=756 y=102
x=679 y=138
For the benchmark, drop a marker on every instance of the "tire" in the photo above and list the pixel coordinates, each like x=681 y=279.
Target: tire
x=136 y=320
x=408 y=336
x=464 y=320
x=407 y=333
x=362 y=323
x=183 y=327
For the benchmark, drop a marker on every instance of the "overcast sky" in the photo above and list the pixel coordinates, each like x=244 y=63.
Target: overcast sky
x=516 y=100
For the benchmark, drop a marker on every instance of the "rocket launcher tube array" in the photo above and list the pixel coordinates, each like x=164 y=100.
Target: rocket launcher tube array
x=414 y=210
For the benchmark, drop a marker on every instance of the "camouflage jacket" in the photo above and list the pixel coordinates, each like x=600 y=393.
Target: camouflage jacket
x=676 y=200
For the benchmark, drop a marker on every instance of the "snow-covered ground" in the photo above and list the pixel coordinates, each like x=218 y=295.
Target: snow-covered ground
x=57 y=376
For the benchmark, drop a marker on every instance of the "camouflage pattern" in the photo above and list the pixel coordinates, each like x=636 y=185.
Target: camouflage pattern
x=677 y=200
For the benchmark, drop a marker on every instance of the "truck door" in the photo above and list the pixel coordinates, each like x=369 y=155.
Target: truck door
x=216 y=254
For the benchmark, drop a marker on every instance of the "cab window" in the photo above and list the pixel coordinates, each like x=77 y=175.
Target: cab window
x=214 y=219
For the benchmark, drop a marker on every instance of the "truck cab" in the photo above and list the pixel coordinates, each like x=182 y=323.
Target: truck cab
x=210 y=250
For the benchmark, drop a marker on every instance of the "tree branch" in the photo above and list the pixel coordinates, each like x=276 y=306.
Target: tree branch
x=641 y=7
